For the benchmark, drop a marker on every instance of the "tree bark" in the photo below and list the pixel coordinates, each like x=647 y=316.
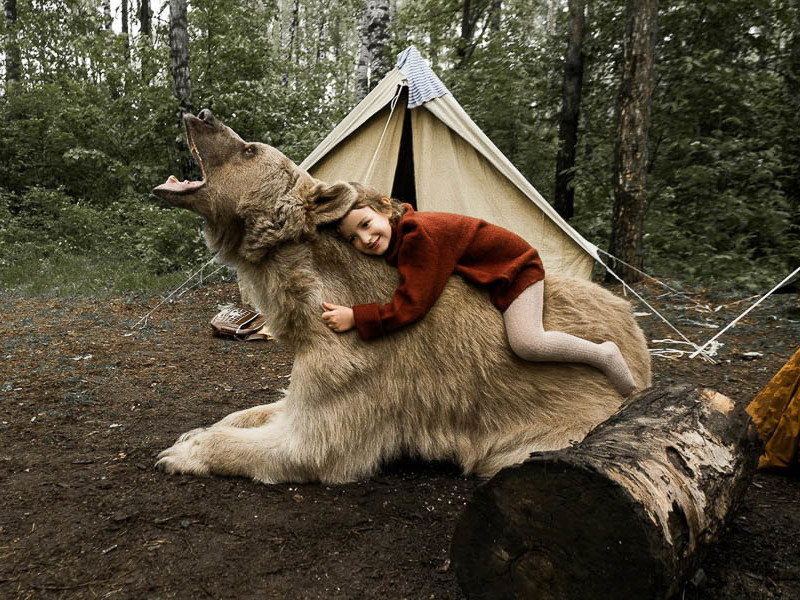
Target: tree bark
x=564 y=196
x=792 y=77
x=633 y=123
x=146 y=19
x=629 y=512
x=107 y=20
x=496 y=16
x=552 y=13
x=378 y=41
x=179 y=50
x=181 y=77
x=373 y=37
x=467 y=26
x=125 y=21
x=13 y=58
x=292 y=33
x=320 y=37
x=125 y=16
x=362 y=60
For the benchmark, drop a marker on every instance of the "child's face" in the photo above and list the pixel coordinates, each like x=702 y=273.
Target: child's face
x=368 y=230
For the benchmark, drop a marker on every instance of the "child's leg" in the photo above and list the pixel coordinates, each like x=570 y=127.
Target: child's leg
x=530 y=341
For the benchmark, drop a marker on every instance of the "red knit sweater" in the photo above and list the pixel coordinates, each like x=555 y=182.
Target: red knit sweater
x=428 y=247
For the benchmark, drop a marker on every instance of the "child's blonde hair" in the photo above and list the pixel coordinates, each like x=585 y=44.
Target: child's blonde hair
x=370 y=197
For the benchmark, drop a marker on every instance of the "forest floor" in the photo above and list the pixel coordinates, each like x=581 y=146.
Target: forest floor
x=87 y=401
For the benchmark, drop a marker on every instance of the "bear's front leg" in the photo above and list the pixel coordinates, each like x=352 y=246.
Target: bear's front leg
x=252 y=417
x=252 y=452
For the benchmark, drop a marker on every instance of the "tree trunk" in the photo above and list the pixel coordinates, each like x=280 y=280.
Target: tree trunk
x=179 y=50
x=320 y=37
x=564 y=196
x=552 y=15
x=107 y=19
x=792 y=78
x=146 y=19
x=362 y=60
x=125 y=21
x=629 y=512
x=464 y=42
x=181 y=78
x=292 y=33
x=125 y=16
x=633 y=123
x=378 y=41
x=373 y=37
x=496 y=16
x=13 y=59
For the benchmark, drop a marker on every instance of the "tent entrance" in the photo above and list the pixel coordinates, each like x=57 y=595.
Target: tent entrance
x=403 y=187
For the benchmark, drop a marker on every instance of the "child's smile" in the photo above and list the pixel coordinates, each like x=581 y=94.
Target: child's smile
x=368 y=230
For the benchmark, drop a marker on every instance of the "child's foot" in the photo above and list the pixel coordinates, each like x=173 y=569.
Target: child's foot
x=617 y=369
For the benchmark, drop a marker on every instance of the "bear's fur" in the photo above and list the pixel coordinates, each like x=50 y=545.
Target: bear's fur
x=446 y=388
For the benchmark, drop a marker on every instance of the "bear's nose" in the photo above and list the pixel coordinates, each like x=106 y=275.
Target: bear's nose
x=206 y=115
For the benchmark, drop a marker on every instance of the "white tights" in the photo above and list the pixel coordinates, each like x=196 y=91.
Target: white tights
x=530 y=341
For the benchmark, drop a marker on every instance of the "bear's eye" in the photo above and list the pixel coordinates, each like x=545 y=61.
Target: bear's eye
x=250 y=150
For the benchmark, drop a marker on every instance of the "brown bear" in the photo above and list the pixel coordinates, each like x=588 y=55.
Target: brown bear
x=447 y=388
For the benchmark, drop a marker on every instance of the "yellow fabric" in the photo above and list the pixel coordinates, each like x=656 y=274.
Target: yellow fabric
x=776 y=414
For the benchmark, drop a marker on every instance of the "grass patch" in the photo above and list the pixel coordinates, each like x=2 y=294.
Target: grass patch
x=96 y=276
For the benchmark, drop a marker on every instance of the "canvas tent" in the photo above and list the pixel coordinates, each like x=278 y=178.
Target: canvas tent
x=411 y=139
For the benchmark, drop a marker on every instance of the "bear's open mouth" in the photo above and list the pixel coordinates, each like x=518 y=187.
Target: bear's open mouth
x=182 y=187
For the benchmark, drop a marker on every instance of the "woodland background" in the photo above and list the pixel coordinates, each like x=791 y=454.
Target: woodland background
x=92 y=93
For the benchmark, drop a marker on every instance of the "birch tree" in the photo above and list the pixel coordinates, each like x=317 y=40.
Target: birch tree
x=107 y=20
x=295 y=22
x=373 y=38
x=630 y=148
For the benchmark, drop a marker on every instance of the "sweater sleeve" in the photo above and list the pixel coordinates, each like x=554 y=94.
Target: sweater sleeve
x=425 y=264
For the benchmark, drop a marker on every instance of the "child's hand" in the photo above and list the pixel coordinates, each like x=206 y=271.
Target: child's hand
x=338 y=318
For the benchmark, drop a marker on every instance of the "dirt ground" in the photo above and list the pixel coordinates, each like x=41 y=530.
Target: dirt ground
x=87 y=402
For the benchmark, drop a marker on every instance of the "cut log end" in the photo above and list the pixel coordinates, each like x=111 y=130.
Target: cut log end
x=515 y=539
x=627 y=513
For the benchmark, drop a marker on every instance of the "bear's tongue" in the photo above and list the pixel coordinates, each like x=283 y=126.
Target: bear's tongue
x=173 y=185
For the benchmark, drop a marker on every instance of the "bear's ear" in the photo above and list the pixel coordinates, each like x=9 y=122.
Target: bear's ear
x=330 y=202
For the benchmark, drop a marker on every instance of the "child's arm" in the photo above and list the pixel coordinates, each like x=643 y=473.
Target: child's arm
x=338 y=318
x=425 y=263
x=424 y=268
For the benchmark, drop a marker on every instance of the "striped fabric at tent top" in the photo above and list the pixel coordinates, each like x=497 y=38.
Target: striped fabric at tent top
x=423 y=84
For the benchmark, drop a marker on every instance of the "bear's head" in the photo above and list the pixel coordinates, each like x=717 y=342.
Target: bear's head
x=252 y=197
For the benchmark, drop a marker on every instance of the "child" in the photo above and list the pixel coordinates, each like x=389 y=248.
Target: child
x=428 y=247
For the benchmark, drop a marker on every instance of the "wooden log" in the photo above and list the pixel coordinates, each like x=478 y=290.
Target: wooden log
x=629 y=512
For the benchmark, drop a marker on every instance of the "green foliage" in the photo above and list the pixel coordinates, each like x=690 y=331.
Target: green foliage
x=91 y=126
x=721 y=200
x=722 y=183
x=46 y=224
